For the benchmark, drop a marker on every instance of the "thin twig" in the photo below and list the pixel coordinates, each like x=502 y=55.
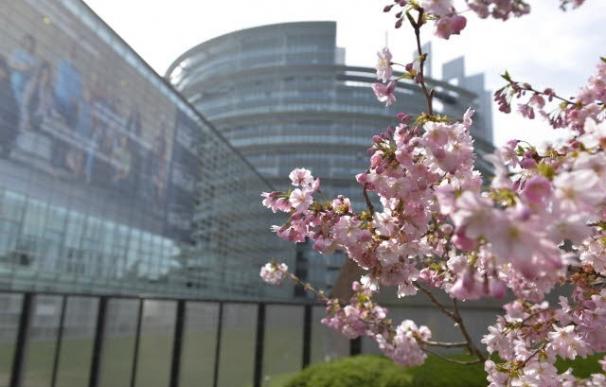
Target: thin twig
x=533 y=354
x=459 y=320
x=445 y=344
x=460 y=362
x=528 y=87
x=318 y=293
x=434 y=301
x=416 y=25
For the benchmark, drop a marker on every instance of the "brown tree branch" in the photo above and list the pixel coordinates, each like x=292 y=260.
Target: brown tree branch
x=461 y=325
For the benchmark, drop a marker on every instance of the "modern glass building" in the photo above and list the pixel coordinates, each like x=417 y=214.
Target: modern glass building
x=283 y=97
x=103 y=166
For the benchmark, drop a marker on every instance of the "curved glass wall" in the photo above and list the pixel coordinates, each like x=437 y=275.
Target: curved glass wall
x=110 y=181
x=279 y=94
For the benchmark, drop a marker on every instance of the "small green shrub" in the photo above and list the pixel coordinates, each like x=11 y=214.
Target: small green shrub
x=377 y=371
x=581 y=367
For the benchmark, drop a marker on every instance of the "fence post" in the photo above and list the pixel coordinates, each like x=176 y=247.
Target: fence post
x=218 y=345
x=259 y=342
x=355 y=346
x=21 y=343
x=133 y=371
x=59 y=342
x=95 y=366
x=177 y=344
x=307 y=313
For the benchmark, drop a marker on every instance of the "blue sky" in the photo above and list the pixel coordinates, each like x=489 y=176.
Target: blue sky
x=548 y=47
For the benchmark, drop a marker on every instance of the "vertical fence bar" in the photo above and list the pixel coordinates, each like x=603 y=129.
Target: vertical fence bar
x=307 y=313
x=21 y=344
x=218 y=345
x=177 y=344
x=95 y=366
x=59 y=342
x=355 y=346
x=259 y=342
x=133 y=371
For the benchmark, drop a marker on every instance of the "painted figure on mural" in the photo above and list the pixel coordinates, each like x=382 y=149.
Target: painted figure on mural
x=9 y=112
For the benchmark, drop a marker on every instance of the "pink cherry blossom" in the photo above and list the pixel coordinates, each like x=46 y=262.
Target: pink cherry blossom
x=301 y=177
x=385 y=93
x=565 y=343
x=384 y=70
x=275 y=201
x=536 y=190
x=300 y=200
x=450 y=25
x=274 y=273
x=437 y=7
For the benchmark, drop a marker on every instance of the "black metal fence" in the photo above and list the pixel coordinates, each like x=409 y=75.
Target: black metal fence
x=171 y=318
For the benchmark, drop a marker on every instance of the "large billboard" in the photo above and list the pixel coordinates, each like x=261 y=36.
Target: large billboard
x=73 y=108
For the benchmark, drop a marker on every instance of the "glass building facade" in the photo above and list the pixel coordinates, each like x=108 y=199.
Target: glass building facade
x=110 y=182
x=283 y=97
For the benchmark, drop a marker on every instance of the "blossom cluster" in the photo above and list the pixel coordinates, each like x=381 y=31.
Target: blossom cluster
x=450 y=21
x=589 y=103
x=530 y=338
x=363 y=317
x=274 y=273
x=432 y=223
x=436 y=227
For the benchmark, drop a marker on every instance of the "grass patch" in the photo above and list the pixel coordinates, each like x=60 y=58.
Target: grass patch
x=378 y=371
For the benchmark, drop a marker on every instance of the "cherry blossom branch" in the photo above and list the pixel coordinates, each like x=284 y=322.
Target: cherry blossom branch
x=456 y=317
x=435 y=301
x=517 y=86
x=536 y=352
x=416 y=25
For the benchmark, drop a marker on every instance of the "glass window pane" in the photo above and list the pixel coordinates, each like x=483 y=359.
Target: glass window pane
x=77 y=346
x=10 y=311
x=236 y=363
x=42 y=341
x=326 y=344
x=283 y=347
x=198 y=356
x=155 y=351
x=118 y=345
